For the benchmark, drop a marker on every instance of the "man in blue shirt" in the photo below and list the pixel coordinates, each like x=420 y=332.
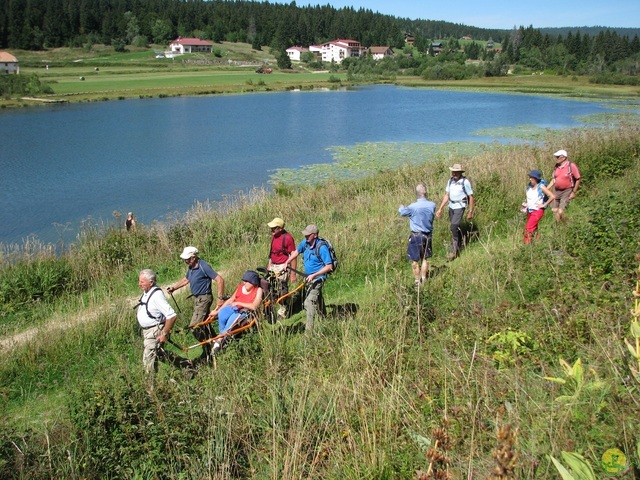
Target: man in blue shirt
x=199 y=276
x=317 y=263
x=420 y=213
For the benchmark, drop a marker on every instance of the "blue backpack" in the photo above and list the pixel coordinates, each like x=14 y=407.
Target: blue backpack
x=541 y=194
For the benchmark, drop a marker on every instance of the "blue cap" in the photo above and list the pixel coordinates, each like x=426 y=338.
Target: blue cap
x=537 y=174
x=252 y=277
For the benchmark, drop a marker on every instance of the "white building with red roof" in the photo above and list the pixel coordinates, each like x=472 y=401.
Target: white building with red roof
x=295 y=53
x=8 y=64
x=190 y=45
x=338 y=50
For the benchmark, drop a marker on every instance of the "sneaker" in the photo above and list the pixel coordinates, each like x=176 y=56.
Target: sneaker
x=417 y=283
x=217 y=346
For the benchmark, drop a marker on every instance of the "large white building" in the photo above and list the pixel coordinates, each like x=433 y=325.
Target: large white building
x=338 y=50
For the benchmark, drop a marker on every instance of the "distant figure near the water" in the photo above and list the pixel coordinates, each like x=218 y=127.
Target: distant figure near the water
x=129 y=223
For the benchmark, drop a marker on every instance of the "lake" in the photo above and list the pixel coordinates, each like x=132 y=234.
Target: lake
x=156 y=157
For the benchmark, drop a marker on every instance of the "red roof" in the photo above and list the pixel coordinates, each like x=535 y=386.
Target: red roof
x=7 y=57
x=191 y=41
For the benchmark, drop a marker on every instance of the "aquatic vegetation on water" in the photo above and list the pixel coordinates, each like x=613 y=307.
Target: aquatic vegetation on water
x=366 y=158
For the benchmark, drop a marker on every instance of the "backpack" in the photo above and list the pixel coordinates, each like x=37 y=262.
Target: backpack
x=146 y=305
x=334 y=259
x=283 y=250
x=541 y=194
x=462 y=179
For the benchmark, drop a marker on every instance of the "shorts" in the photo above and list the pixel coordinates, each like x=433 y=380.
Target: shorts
x=562 y=198
x=419 y=246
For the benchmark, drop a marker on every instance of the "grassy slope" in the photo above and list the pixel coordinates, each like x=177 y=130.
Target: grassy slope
x=461 y=359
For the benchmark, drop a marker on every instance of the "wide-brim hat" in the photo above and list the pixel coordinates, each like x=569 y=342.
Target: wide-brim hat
x=276 y=222
x=188 y=252
x=457 y=167
x=252 y=277
x=537 y=174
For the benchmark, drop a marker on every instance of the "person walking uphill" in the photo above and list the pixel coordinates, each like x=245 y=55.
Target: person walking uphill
x=156 y=318
x=199 y=276
x=282 y=244
x=421 y=214
x=317 y=263
x=539 y=197
x=459 y=194
x=565 y=182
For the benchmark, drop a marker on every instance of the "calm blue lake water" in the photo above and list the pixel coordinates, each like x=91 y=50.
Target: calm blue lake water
x=63 y=164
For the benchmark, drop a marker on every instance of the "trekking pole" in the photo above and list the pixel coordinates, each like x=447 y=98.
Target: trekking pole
x=174 y=301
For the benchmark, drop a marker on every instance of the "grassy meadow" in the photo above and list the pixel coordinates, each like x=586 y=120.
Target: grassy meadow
x=508 y=356
x=99 y=73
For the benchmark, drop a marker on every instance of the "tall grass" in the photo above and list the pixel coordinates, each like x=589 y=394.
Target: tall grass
x=369 y=394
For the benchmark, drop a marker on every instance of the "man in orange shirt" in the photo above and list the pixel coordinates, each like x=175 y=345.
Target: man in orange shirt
x=566 y=181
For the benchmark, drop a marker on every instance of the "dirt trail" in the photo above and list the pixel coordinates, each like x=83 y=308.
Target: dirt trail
x=57 y=323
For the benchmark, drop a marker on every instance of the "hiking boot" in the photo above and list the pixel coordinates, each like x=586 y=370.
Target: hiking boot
x=452 y=255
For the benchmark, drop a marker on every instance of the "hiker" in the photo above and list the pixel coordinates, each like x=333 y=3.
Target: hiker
x=247 y=296
x=459 y=194
x=199 y=276
x=317 y=263
x=565 y=182
x=130 y=223
x=155 y=317
x=282 y=244
x=539 y=197
x=421 y=214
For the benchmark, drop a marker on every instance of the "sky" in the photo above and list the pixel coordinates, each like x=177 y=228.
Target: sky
x=504 y=14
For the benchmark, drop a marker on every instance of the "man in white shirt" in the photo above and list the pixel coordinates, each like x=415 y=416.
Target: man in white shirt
x=156 y=318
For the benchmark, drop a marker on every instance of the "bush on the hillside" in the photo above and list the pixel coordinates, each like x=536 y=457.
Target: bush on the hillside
x=22 y=85
x=41 y=280
x=607 y=240
x=123 y=430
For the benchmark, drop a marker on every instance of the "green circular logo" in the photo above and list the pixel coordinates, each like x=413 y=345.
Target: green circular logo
x=614 y=460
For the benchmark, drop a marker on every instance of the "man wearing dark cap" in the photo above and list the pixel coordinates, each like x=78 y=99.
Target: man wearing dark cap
x=317 y=263
x=199 y=276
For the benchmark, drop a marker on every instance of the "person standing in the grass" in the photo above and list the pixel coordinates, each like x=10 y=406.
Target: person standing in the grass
x=282 y=244
x=317 y=263
x=156 y=318
x=130 y=223
x=539 y=197
x=565 y=182
x=199 y=277
x=459 y=195
x=420 y=213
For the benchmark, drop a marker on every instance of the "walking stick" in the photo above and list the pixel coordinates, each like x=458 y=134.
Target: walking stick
x=174 y=301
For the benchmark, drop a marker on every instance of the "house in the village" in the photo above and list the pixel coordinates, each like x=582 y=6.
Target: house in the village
x=378 y=53
x=338 y=50
x=8 y=64
x=295 y=53
x=190 y=45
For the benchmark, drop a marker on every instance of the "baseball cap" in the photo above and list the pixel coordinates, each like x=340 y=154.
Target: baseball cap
x=561 y=153
x=188 y=252
x=309 y=229
x=276 y=222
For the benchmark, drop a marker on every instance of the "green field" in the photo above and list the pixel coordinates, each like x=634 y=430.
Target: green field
x=231 y=69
